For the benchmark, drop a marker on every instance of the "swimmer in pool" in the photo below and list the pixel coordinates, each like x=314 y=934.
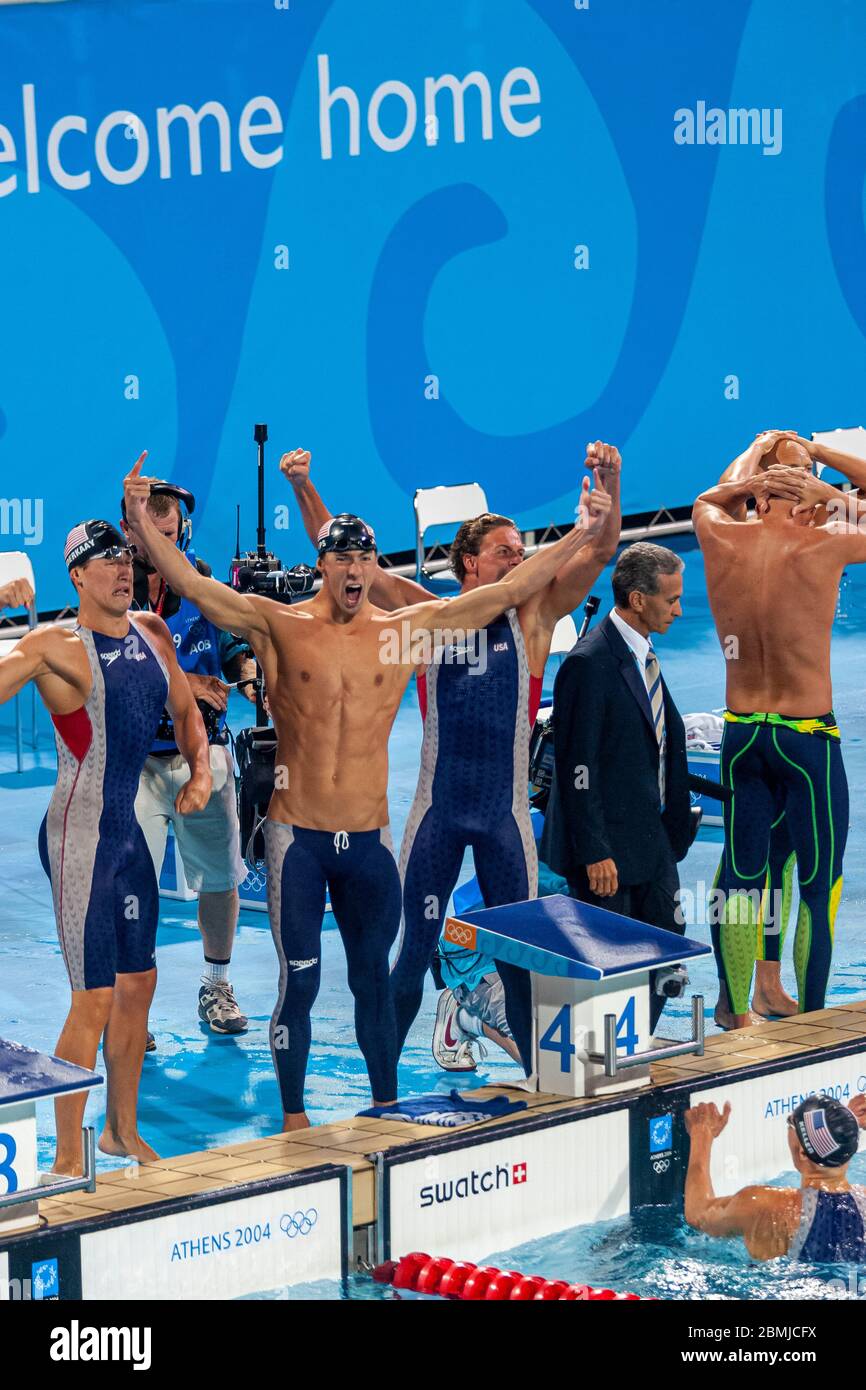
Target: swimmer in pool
x=821 y=1222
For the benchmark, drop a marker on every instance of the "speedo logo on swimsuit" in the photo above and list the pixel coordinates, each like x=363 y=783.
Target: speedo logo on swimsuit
x=303 y=964
x=131 y=655
x=474 y=1183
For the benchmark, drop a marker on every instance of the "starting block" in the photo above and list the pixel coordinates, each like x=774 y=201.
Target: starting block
x=25 y=1078
x=590 y=988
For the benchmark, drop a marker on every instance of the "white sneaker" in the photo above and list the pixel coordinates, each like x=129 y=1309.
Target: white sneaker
x=452 y=1048
x=218 y=1008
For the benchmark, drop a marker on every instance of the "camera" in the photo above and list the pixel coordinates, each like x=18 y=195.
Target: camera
x=260 y=571
x=264 y=574
x=671 y=983
x=211 y=717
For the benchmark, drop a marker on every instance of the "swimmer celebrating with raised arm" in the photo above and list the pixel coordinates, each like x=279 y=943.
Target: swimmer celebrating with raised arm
x=105 y=684
x=472 y=786
x=824 y=1221
x=772 y=582
x=334 y=686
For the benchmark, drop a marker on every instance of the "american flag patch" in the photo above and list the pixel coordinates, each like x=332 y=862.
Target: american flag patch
x=818 y=1134
x=76 y=536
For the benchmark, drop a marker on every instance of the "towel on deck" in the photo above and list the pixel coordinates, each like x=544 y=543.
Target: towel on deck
x=448 y=1111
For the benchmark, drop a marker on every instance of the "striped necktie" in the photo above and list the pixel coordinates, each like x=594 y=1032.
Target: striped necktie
x=653 y=678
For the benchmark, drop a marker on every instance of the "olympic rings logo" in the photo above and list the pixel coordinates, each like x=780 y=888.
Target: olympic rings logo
x=661 y=1165
x=300 y=1223
x=461 y=936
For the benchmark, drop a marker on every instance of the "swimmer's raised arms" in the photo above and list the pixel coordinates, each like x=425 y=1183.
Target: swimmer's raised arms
x=779 y=463
x=817 y=1221
x=333 y=698
x=756 y=475
x=248 y=614
x=772 y=583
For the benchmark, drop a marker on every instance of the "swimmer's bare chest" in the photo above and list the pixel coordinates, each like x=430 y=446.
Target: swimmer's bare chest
x=334 y=696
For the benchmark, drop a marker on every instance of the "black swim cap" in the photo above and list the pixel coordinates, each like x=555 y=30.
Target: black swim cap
x=91 y=538
x=827 y=1130
x=345 y=532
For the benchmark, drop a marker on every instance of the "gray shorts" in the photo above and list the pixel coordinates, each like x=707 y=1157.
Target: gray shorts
x=208 y=840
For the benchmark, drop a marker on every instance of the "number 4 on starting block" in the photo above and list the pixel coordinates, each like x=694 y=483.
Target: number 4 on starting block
x=558 y=1036
x=569 y=1019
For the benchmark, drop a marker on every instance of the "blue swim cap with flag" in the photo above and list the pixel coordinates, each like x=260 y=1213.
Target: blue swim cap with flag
x=827 y=1130
x=91 y=538
x=345 y=532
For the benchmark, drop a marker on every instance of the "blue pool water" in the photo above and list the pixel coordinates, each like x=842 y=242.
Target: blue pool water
x=200 y=1090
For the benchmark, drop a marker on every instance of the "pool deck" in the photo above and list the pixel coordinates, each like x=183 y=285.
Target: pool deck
x=359 y=1141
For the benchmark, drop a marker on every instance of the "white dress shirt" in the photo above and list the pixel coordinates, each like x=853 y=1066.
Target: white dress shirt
x=639 y=646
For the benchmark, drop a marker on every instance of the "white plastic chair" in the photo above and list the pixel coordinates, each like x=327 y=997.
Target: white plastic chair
x=564 y=636
x=443 y=506
x=15 y=564
x=847 y=441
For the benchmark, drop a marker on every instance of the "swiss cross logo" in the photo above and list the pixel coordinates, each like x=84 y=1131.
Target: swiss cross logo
x=518 y=1173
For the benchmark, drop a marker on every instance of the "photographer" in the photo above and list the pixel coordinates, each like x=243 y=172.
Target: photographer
x=208 y=842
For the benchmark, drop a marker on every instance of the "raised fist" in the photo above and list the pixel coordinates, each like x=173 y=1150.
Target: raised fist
x=296 y=466
x=605 y=457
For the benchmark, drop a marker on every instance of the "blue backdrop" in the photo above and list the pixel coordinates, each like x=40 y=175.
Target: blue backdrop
x=587 y=260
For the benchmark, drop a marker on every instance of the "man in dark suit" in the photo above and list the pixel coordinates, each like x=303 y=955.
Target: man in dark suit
x=620 y=812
